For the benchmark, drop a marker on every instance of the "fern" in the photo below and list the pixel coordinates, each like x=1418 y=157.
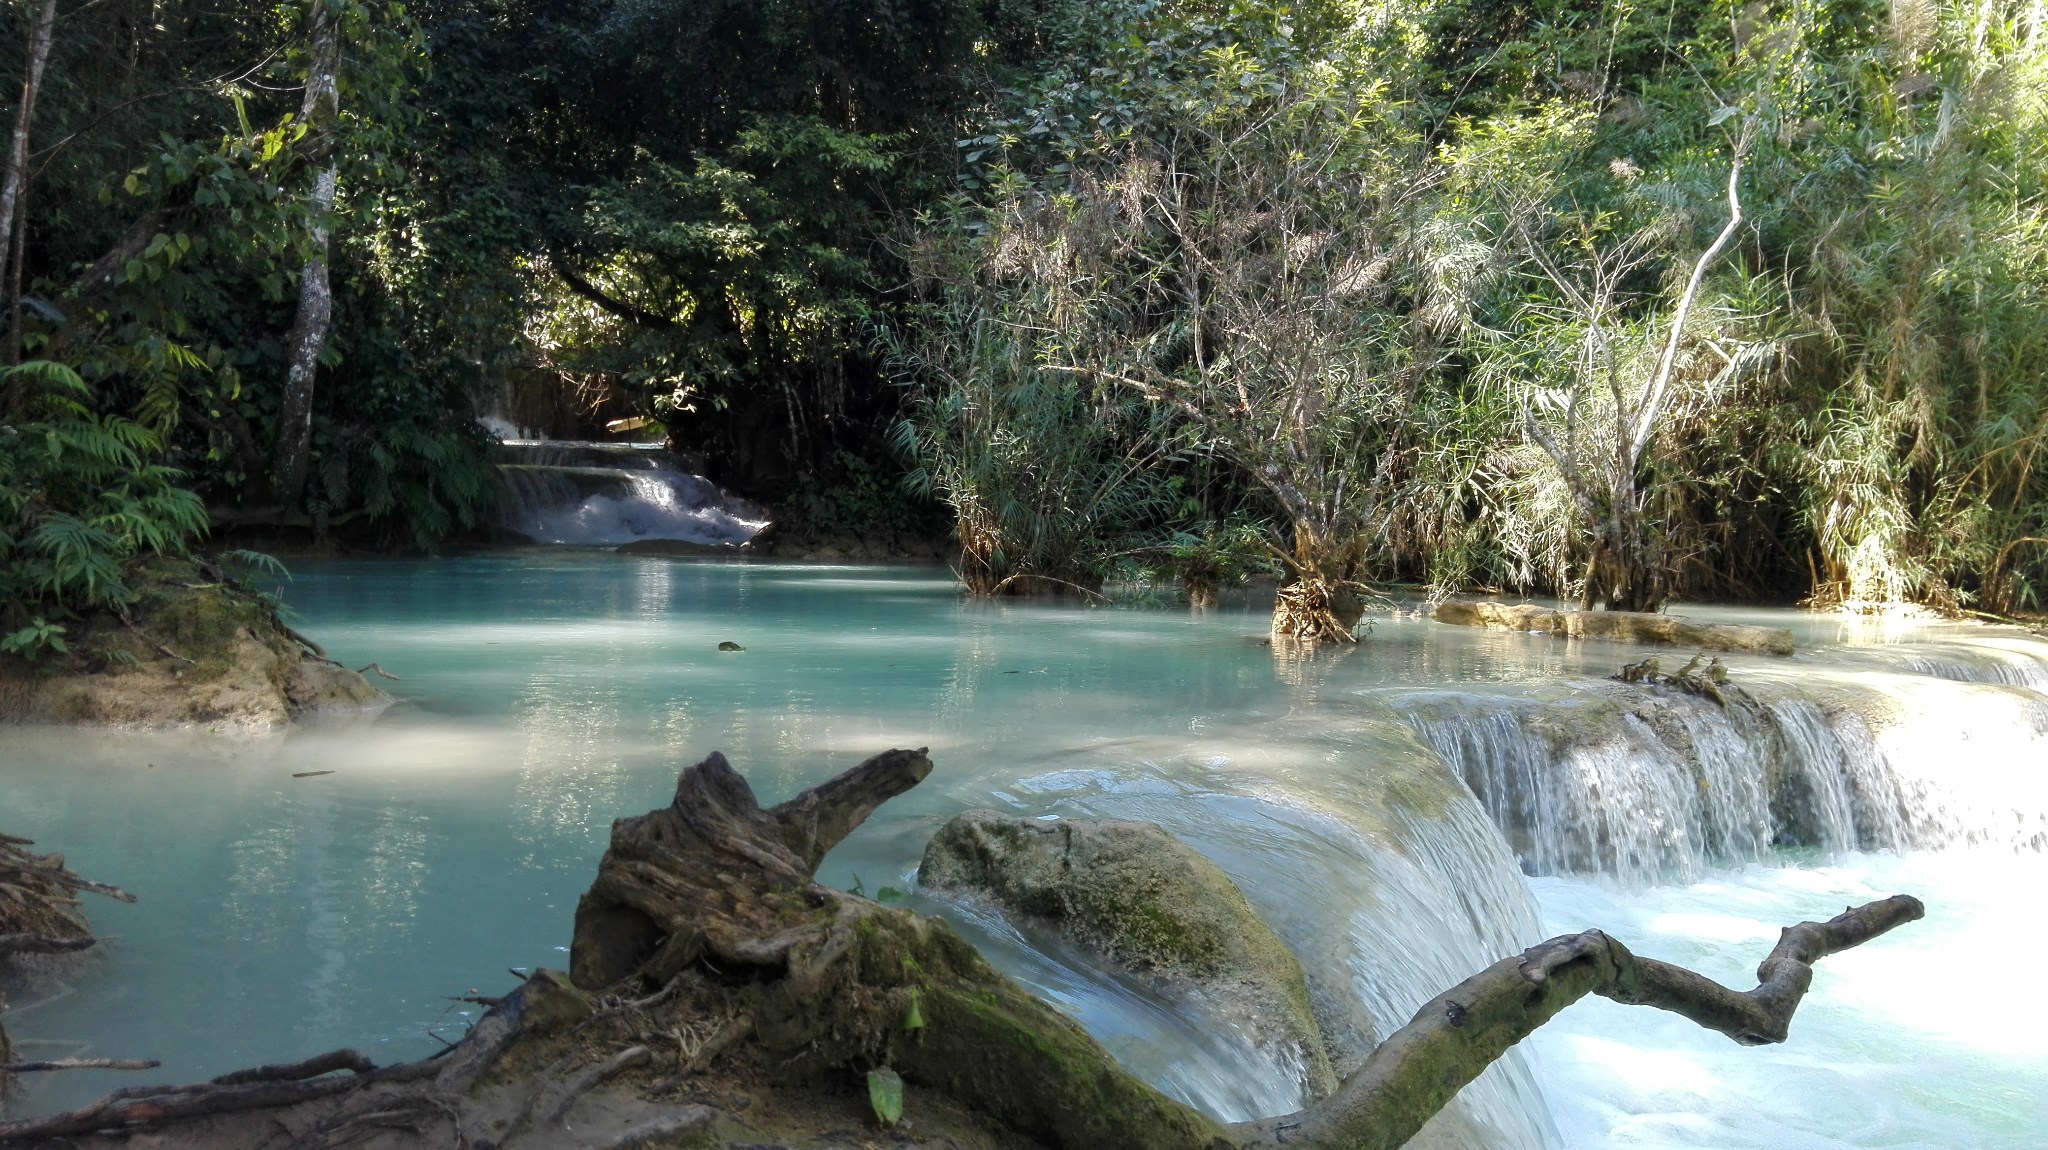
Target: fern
x=82 y=498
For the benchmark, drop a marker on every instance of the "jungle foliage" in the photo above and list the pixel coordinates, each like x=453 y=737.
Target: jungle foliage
x=1358 y=290
x=1848 y=411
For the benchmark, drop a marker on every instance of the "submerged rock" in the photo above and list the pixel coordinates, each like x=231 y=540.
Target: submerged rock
x=1150 y=904
x=683 y=548
x=1622 y=626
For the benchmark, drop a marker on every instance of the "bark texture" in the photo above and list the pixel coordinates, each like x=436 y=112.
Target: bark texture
x=316 y=298
x=14 y=180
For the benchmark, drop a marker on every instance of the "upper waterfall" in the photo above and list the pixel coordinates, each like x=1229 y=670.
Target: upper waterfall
x=572 y=491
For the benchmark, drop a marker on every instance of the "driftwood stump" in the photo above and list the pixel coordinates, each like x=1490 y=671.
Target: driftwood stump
x=707 y=959
x=832 y=977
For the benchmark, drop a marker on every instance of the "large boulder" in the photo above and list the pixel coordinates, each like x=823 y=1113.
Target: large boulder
x=1148 y=903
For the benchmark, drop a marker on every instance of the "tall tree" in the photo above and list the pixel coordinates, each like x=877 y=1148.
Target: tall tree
x=316 y=298
x=13 y=185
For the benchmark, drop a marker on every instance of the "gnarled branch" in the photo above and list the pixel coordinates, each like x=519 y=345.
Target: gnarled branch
x=1457 y=1034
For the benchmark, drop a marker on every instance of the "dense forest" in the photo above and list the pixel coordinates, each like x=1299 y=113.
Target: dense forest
x=1613 y=301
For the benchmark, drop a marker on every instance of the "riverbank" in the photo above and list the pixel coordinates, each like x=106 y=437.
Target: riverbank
x=191 y=649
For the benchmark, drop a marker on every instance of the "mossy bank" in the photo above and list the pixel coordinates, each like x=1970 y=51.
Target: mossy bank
x=189 y=649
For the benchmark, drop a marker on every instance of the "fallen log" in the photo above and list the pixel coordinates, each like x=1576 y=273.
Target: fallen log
x=705 y=939
x=43 y=944
x=80 y=1064
x=1619 y=626
x=263 y=1088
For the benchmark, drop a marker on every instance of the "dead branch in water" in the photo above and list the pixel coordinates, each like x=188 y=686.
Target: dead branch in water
x=1415 y=1073
x=80 y=1064
x=36 y=903
x=260 y=1088
x=42 y=944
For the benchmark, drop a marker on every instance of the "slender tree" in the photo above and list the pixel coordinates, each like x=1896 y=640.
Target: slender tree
x=14 y=183
x=316 y=299
x=1602 y=467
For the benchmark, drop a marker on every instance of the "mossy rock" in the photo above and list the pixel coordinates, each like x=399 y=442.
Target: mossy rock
x=1151 y=905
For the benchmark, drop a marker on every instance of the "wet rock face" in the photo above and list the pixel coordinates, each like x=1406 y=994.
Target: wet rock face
x=1151 y=905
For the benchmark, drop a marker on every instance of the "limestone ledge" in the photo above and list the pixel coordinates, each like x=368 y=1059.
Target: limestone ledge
x=1620 y=626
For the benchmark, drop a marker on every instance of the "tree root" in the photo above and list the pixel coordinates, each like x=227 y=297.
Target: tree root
x=594 y=1077
x=261 y=1088
x=683 y=1122
x=1316 y=609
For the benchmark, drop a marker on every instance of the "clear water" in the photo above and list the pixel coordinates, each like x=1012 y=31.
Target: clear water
x=547 y=692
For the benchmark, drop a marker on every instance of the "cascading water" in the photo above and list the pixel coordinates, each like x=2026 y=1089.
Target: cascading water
x=1652 y=785
x=562 y=491
x=1657 y=816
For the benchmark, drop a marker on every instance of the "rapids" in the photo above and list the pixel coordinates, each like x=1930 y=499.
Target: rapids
x=1402 y=813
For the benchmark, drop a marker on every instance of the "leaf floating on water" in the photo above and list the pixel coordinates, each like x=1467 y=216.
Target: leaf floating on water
x=729 y=645
x=885 y=1094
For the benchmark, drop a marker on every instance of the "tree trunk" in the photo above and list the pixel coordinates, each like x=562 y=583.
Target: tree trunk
x=316 y=302
x=705 y=936
x=14 y=181
x=1322 y=602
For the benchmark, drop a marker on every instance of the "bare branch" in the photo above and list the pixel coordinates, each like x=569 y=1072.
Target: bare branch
x=80 y=1064
x=1660 y=385
x=1414 y=1073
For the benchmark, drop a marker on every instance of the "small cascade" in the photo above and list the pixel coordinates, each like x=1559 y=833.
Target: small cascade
x=2003 y=659
x=1651 y=785
x=1581 y=785
x=563 y=491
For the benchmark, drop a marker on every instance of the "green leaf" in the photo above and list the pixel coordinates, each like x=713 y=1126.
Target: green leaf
x=885 y=1094
x=913 y=1017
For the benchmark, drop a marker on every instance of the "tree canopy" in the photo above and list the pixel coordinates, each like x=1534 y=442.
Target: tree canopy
x=1174 y=286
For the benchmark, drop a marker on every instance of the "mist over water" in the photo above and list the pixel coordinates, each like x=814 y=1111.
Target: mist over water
x=1379 y=806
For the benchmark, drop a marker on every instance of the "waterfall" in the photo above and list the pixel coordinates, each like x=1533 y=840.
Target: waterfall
x=562 y=491
x=1363 y=853
x=1651 y=785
